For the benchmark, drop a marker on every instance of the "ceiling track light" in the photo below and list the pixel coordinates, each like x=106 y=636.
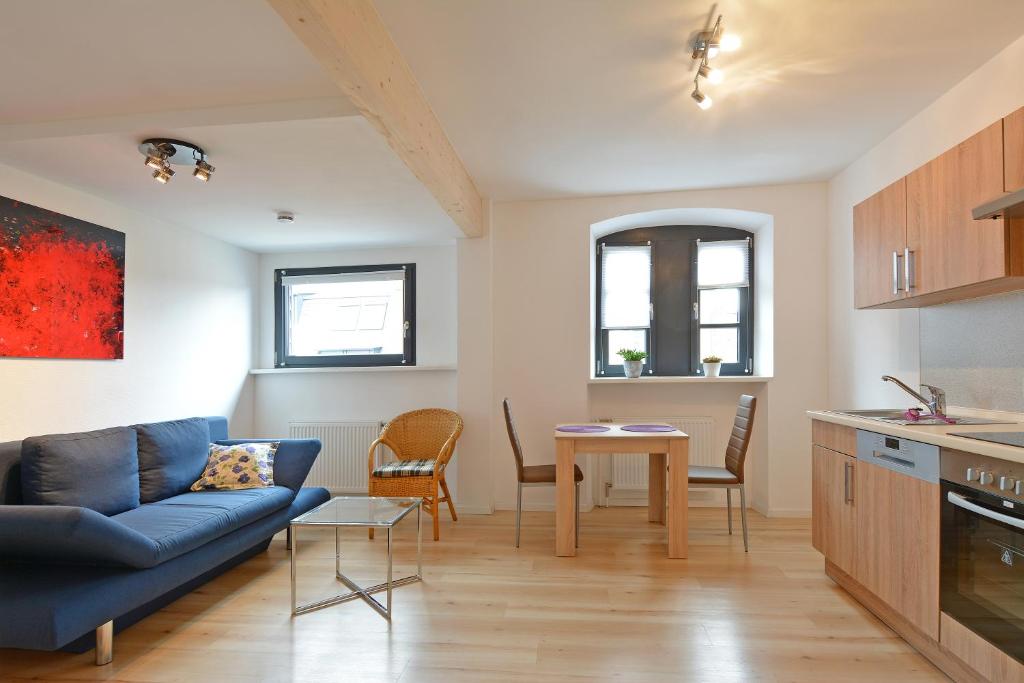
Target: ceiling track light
x=706 y=46
x=203 y=170
x=161 y=153
x=702 y=100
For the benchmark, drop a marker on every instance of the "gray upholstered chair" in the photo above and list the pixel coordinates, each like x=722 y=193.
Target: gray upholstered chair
x=534 y=475
x=731 y=476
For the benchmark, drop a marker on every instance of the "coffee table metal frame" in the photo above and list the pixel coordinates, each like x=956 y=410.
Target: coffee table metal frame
x=355 y=590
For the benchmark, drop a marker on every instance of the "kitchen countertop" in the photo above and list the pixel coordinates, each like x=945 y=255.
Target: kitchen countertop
x=939 y=435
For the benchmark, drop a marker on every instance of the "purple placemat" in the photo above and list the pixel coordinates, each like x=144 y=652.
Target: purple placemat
x=648 y=428
x=582 y=429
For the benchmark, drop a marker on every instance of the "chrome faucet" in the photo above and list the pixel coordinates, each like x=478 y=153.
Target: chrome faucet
x=936 y=404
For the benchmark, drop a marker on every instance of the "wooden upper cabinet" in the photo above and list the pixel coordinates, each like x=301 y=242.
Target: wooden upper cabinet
x=948 y=248
x=879 y=238
x=1013 y=150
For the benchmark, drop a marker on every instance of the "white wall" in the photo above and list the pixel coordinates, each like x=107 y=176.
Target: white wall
x=190 y=311
x=379 y=394
x=867 y=344
x=540 y=341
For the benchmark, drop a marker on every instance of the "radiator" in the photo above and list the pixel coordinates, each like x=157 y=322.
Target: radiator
x=626 y=474
x=341 y=466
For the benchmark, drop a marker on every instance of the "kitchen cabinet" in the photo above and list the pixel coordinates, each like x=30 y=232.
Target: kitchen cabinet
x=833 y=515
x=947 y=247
x=897 y=543
x=880 y=239
x=1013 y=151
x=916 y=242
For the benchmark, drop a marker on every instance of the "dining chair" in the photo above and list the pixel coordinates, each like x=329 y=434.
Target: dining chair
x=423 y=442
x=534 y=475
x=731 y=476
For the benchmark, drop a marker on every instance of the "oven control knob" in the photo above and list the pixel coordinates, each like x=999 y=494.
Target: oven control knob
x=972 y=474
x=985 y=478
x=1005 y=483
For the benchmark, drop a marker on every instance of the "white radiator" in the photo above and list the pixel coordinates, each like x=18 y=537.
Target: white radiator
x=341 y=466
x=626 y=473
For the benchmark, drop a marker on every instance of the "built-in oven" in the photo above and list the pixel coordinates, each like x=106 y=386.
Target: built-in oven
x=982 y=547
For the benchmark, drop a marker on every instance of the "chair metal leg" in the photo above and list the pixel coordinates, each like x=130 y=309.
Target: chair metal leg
x=519 y=509
x=728 y=506
x=577 y=515
x=743 y=515
x=105 y=644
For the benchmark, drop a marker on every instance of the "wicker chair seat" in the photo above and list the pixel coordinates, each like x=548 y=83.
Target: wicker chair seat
x=406 y=468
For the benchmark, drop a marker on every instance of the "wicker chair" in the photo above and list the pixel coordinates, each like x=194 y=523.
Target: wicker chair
x=423 y=442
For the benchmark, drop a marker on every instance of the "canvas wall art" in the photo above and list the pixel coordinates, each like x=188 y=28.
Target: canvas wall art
x=61 y=285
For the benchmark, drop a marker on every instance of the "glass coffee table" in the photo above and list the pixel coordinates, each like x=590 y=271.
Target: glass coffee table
x=365 y=512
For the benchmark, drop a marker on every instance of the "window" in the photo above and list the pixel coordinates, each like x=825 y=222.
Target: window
x=680 y=293
x=345 y=316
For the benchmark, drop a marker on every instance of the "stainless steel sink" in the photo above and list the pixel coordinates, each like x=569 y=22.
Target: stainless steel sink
x=898 y=417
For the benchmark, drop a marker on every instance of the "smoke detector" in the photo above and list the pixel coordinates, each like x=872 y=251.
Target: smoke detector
x=285 y=217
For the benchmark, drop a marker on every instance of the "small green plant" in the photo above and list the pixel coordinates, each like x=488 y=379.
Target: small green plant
x=711 y=359
x=632 y=354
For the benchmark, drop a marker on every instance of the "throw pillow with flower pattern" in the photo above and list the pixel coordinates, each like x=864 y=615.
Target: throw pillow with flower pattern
x=241 y=466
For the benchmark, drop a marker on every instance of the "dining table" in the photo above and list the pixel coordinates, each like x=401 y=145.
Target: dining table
x=667 y=449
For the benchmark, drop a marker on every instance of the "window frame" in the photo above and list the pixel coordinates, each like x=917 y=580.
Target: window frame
x=406 y=358
x=602 y=333
x=693 y=234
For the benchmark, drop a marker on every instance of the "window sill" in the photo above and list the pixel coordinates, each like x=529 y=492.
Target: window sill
x=378 y=368
x=738 y=379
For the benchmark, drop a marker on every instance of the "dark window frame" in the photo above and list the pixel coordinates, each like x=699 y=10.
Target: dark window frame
x=661 y=284
x=406 y=358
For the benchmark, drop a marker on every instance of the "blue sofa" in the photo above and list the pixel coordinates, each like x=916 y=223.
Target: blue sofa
x=99 y=529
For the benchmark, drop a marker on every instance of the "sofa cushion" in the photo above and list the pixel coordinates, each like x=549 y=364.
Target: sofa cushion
x=240 y=466
x=97 y=470
x=185 y=522
x=172 y=455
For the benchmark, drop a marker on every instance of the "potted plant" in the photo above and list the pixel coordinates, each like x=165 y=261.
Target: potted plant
x=712 y=365
x=632 y=362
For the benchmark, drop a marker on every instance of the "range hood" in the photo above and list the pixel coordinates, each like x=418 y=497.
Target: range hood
x=1008 y=206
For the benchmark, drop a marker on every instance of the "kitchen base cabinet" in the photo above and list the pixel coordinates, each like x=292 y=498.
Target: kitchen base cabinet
x=833 y=520
x=982 y=656
x=897 y=543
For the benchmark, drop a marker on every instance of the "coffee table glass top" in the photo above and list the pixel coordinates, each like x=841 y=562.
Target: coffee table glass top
x=359 y=511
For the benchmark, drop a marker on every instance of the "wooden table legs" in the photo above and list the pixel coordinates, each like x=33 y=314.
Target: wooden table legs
x=677 y=463
x=565 y=498
x=678 y=496
x=656 y=488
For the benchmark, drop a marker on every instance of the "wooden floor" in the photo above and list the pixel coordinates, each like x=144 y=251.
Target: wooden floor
x=620 y=611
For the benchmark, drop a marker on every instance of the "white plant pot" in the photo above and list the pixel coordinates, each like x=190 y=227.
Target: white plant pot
x=712 y=369
x=633 y=368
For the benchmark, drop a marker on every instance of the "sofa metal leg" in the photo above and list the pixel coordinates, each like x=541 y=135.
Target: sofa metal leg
x=105 y=643
x=288 y=538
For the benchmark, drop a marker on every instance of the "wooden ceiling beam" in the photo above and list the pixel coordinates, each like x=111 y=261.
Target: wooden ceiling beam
x=350 y=41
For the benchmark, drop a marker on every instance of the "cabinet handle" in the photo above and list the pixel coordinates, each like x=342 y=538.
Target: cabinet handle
x=847 y=482
x=895 y=272
x=908 y=269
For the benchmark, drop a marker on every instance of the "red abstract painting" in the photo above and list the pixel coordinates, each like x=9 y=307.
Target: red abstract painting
x=61 y=285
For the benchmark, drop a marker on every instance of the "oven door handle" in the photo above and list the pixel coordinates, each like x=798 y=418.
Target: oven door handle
x=962 y=502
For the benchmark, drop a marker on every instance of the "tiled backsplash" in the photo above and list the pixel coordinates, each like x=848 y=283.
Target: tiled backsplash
x=975 y=351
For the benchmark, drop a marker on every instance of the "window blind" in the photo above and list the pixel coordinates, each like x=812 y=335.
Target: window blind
x=373 y=276
x=625 y=287
x=723 y=264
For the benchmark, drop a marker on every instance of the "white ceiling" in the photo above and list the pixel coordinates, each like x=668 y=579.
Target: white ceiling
x=574 y=97
x=81 y=92
x=539 y=97
x=339 y=177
